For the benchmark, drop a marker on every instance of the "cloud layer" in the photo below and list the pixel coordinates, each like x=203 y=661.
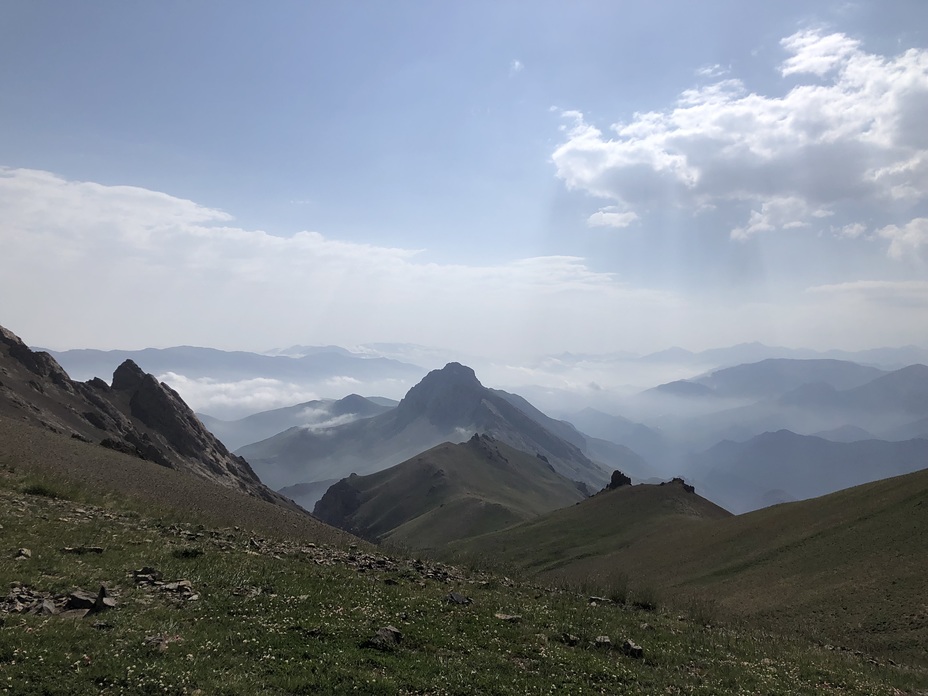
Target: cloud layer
x=95 y=265
x=848 y=130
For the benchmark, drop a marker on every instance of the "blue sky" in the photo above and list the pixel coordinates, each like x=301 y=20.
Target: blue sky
x=498 y=177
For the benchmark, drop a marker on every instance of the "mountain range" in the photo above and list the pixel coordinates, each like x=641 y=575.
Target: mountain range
x=136 y=414
x=448 y=405
x=317 y=414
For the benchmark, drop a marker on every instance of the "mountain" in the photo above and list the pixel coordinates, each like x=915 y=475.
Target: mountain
x=449 y=404
x=608 y=453
x=683 y=388
x=610 y=520
x=449 y=492
x=776 y=376
x=661 y=453
x=738 y=475
x=908 y=431
x=137 y=415
x=845 y=433
x=224 y=365
x=312 y=414
x=847 y=568
x=887 y=358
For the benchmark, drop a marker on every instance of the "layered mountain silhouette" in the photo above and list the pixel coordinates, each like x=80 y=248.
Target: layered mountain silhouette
x=449 y=492
x=317 y=414
x=771 y=378
x=448 y=405
x=779 y=466
x=136 y=414
x=196 y=362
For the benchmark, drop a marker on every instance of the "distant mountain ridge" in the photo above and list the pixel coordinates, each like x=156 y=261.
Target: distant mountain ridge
x=772 y=377
x=449 y=404
x=318 y=413
x=738 y=475
x=196 y=362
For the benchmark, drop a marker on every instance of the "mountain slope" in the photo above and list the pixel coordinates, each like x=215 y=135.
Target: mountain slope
x=739 y=474
x=447 y=405
x=847 y=568
x=137 y=415
x=315 y=414
x=449 y=492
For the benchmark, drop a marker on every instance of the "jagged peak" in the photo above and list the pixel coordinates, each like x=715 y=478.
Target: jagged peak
x=128 y=376
x=445 y=394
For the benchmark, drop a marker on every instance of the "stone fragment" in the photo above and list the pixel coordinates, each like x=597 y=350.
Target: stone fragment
x=23 y=553
x=603 y=642
x=510 y=618
x=386 y=638
x=80 y=600
x=103 y=601
x=632 y=649
x=457 y=598
x=81 y=550
x=570 y=639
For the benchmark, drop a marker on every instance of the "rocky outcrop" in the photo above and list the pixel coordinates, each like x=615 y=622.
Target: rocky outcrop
x=137 y=415
x=679 y=482
x=618 y=480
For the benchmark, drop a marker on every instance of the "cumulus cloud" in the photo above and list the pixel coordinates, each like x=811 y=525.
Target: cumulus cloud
x=611 y=217
x=909 y=240
x=849 y=130
x=515 y=67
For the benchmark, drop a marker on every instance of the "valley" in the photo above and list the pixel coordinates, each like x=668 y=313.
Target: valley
x=477 y=527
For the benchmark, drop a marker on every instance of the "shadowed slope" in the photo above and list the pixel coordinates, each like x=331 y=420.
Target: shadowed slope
x=136 y=415
x=449 y=492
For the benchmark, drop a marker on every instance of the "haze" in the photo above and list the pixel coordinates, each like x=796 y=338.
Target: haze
x=487 y=178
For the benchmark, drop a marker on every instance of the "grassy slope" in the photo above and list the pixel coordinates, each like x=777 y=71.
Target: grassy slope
x=457 y=490
x=287 y=617
x=85 y=467
x=848 y=568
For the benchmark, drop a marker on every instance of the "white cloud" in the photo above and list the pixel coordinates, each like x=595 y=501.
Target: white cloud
x=238 y=398
x=817 y=54
x=907 y=241
x=609 y=217
x=515 y=67
x=901 y=294
x=849 y=133
x=711 y=71
x=99 y=266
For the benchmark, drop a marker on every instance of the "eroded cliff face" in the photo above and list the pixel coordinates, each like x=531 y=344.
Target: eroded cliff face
x=137 y=415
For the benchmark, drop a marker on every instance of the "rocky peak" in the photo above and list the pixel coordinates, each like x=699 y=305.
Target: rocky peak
x=139 y=415
x=128 y=376
x=447 y=397
x=38 y=363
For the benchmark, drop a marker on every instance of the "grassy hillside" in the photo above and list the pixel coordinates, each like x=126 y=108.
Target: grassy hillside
x=449 y=492
x=848 y=568
x=238 y=613
x=81 y=468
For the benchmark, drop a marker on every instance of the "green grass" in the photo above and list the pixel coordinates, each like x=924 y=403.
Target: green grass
x=278 y=616
x=847 y=569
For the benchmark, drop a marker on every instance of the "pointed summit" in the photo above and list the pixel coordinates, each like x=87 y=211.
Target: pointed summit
x=128 y=376
x=448 y=396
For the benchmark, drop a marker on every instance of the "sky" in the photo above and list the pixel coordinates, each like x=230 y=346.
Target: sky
x=499 y=178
